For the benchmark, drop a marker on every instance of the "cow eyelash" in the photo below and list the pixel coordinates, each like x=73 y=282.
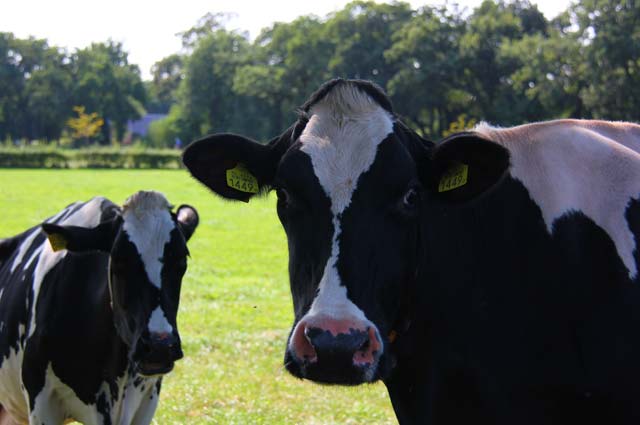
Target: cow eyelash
x=283 y=195
x=411 y=198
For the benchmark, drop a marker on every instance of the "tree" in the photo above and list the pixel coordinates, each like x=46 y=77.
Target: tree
x=290 y=62
x=549 y=76
x=85 y=126
x=609 y=33
x=35 y=85
x=487 y=77
x=163 y=89
x=426 y=86
x=206 y=98
x=361 y=32
x=108 y=84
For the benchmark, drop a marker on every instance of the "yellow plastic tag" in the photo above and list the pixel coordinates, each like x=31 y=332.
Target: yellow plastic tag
x=57 y=241
x=454 y=177
x=241 y=179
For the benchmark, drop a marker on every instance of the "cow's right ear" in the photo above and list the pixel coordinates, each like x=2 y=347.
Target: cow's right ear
x=82 y=239
x=233 y=166
x=465 y=166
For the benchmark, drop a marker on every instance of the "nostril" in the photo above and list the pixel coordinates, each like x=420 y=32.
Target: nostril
x=365 y=345
x=312 y=333
x=369 y=350
x=302 y=345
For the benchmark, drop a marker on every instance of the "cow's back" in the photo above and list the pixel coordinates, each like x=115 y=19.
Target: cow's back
x=27 y=267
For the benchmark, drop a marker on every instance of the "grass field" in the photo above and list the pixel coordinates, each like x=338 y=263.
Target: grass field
x=235 y=310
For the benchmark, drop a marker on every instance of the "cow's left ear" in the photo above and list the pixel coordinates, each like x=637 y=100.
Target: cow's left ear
x=82 y=239
x=233 y=166
x=465 y=166
x=188 y=220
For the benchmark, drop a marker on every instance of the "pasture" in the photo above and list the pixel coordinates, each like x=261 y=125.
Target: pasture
x=235 y=311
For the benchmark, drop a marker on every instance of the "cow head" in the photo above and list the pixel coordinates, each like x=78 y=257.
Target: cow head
x=148 y=258
x=351 y=181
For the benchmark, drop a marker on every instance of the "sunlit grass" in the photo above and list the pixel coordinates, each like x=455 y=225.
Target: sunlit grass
x=235 y=309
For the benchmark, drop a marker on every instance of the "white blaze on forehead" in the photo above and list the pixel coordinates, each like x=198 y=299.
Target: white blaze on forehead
x=342 y=137
x=592 y=167
x=148 y=224
x=158 y=322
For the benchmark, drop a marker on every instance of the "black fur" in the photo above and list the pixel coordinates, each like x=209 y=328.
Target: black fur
x=495 y=319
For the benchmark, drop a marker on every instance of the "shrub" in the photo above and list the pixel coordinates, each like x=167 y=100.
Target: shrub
x=89 y=158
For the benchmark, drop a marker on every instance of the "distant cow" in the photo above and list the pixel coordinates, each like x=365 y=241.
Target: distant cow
x=88 y=318
x=490 y=278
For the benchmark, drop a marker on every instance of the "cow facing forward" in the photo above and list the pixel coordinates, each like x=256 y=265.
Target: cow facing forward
x=491 y=278
x=88 y=318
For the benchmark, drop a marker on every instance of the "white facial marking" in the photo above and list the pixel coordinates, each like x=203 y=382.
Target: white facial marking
x=592 y=167
x=342 y=138
x=148 y=224
x=158 y=322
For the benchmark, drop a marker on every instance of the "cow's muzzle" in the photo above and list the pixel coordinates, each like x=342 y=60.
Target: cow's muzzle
x=158 y=353
x=334 y=352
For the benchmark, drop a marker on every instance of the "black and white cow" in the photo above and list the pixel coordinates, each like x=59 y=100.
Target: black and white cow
x=88 y=318
x=490 y=278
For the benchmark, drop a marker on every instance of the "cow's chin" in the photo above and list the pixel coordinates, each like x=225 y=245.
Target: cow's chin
x=151 y=369
x=332 y=372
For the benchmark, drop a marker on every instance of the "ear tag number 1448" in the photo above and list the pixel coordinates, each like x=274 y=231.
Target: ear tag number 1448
x=454 y=177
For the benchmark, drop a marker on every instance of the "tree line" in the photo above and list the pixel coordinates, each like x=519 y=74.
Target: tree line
x=443 y=67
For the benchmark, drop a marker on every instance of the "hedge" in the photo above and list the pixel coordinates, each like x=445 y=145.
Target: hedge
x=89 y=158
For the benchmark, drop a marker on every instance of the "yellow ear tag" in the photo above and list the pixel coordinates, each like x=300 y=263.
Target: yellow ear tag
x=241 y=179
x=57 y=241
x=454 y=177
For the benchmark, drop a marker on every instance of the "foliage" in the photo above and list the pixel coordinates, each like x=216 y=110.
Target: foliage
x=84 y=126
x=162 y=90
x=89 y=158
x=461 y=124
x=235 y=308
x=108 y=84
x=609 y=34
x=502 y=62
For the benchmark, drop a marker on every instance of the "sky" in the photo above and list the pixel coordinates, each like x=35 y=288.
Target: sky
x=148 y=29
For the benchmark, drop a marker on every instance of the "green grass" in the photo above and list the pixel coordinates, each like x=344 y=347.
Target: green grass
x=235 y=310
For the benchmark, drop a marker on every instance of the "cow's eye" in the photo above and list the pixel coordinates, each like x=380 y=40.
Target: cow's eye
x=283 y=196
x=411 y=199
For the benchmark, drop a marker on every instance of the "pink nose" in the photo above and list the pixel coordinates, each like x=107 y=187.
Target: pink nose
x=317 y=339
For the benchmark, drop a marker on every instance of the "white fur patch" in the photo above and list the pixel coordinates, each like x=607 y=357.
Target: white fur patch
x=139 y=402
x=12 y=397
x=24 y=247
x=148 y=224
x=342 y=137
x=158 y=322
x=57 y=402
x=592 y=167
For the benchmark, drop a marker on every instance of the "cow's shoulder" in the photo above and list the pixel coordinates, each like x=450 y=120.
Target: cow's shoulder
x=7 y=248
x=92 y=212
x=584 y=168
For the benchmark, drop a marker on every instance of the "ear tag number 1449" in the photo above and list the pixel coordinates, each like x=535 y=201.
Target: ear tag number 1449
x=241 y=179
